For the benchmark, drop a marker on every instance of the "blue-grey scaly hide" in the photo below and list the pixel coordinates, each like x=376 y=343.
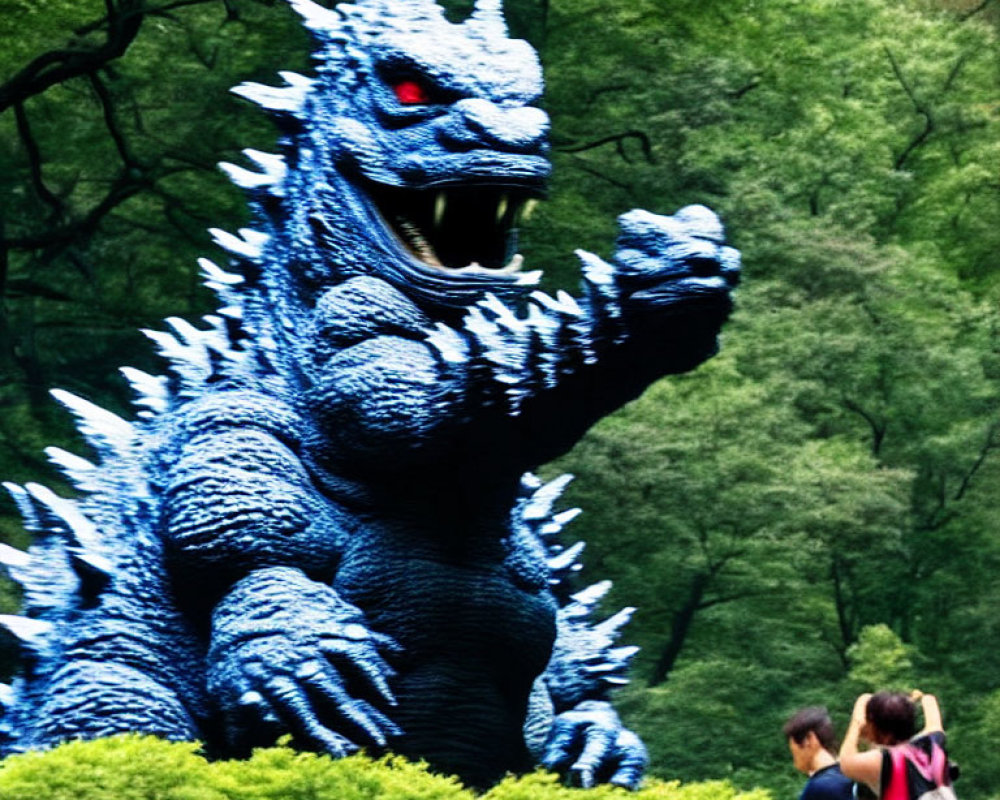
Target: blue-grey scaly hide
x=321 y=521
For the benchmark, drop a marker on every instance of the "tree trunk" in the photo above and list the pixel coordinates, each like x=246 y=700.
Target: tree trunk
x=679 y=629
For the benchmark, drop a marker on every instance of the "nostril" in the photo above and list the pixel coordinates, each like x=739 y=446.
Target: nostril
x=520 y=128
x=704 y=267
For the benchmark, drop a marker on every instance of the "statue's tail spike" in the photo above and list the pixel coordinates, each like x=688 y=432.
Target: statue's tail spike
x=12 y=558
x=450 y=346
x=216 y=276
x=623 y=654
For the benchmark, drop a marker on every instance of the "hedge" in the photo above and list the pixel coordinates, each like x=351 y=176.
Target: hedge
x=134 y=767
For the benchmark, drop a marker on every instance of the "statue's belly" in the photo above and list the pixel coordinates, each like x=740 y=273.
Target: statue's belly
x=475 y=634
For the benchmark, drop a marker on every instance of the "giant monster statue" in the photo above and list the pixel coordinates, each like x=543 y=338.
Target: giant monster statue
x=320 y=522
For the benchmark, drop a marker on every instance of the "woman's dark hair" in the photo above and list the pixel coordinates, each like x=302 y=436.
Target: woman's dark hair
x=893 y=715
x=815 y=719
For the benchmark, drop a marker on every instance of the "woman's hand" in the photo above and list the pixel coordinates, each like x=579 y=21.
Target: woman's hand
x=864 y=767
x=860 y=713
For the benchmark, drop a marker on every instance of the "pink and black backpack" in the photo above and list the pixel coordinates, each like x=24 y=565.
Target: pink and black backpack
x=919 y=771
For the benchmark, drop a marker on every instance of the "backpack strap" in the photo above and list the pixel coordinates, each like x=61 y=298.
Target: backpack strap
x=895 y=787
x=940 y=771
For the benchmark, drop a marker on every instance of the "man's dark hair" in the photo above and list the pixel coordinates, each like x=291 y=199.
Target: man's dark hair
x=815 y=719
x=893 y=715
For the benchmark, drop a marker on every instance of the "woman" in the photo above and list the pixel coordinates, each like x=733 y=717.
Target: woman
x=888 y=721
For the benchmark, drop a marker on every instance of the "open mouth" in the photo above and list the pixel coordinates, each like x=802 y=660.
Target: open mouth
x=457 y=229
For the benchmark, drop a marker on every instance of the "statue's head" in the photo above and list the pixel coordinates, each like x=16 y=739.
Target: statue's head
x=430 y=129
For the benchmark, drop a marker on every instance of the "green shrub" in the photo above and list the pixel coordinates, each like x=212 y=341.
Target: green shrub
x=136 y=767
x=123 y=767
x=546 y=786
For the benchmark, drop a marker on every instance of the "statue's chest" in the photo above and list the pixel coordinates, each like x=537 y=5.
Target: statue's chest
x=473 y=600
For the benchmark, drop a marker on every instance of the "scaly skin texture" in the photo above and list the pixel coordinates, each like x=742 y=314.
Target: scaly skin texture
x=321 y=522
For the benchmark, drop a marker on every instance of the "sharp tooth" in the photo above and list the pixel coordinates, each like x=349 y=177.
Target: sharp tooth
x=512 y=266
x=418 y=245
x=515 y=264
x=502 y=208
x=440 y=203
x=529 y=209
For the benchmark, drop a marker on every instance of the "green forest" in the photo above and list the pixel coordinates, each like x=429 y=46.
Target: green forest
x=813 y=513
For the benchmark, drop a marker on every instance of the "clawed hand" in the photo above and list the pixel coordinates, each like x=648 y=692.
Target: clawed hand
x=675 y=256
x=590 y=746
x=308 y=666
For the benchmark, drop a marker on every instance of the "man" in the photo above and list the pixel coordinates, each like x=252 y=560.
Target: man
x=812 y=743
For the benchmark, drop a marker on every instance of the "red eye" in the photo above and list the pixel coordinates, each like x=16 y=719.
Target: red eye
x=411 y=93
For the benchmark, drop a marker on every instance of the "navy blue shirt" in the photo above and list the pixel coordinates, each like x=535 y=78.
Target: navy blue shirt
x=828 y=783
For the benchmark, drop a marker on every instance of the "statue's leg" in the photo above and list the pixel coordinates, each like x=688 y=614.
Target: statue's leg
x=87 y=699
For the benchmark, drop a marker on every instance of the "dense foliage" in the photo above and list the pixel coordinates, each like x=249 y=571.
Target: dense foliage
x=145 y=768
x=812 y=514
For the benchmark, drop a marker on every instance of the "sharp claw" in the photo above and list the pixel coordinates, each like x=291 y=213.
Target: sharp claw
x=582 y=777
x=251 y=698
x=389 y=727
x=387 y=643
x=377 y=679
x=368 y=667
x=356 y=712
x=363 y=716
x=292 y=705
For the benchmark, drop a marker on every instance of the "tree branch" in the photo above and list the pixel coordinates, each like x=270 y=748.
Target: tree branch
x=956 y=68
x=122 y=189
x=111 y=120
x=597 y=174
x=878 y=427
x=919 y=107
x=57 y=66
x=975 y=10
x=618 y=139
x=988 y=446
x=845 y=619
x=35 y=162
x=155 y=11
x=737 y=94
x=727 y=598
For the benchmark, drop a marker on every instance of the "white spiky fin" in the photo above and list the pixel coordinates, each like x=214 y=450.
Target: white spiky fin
x=80 y=471
x=30 y=632
x=105 y=431
x=539 y=506
x=316 y=17
x=11 y=557
x=77 y=525
x=487 y=19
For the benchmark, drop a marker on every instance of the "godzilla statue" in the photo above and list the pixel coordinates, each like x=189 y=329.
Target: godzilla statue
x=320 y=522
